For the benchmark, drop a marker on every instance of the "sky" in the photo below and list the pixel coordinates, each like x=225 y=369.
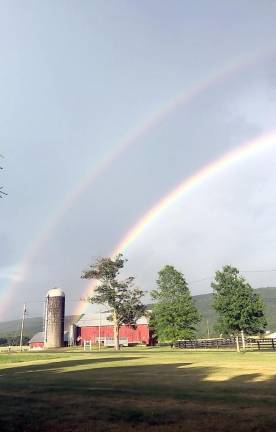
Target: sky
x=80 y=79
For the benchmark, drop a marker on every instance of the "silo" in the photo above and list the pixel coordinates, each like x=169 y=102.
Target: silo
x=54 y=319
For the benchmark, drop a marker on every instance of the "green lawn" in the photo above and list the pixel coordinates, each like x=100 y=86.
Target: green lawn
x=151 y=389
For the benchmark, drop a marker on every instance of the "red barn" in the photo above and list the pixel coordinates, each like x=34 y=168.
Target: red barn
x=37 y=341
x=95 y=327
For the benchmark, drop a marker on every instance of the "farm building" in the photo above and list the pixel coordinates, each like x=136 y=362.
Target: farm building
x=95 y=327
x=37 y=341
x=270 y=335
x=91 y=328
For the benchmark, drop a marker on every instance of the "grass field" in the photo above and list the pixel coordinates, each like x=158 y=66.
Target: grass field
x=143 y=389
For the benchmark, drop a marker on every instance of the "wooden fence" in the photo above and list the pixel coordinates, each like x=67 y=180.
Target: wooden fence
x=261 y=344
x=206 y=343
x=258 y=344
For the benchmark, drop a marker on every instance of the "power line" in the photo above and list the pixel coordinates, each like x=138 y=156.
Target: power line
x=241 y=271
x=258 y=271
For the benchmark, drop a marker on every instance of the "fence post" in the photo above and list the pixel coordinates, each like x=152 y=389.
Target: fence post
x=273 y=346
x=243 y=340
x=258 y=345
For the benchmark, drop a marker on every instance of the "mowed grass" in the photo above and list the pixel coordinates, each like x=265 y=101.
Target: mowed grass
x=143 y=389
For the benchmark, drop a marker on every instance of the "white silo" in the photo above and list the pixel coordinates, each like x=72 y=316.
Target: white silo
x=54 y=319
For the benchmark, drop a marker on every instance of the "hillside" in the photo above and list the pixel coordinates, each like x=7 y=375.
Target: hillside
x=204 y=304
x=32 y=326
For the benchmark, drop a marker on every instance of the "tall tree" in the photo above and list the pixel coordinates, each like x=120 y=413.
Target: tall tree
x=239 y=308
x=120 y=296
x=174 y=314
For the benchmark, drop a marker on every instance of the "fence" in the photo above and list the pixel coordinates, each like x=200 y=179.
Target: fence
x=261 y=343
x=258 y=344
x=206 y=343
x=109 y=342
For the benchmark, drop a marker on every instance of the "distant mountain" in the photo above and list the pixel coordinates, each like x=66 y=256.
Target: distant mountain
x=32 y=326
x=204 y=304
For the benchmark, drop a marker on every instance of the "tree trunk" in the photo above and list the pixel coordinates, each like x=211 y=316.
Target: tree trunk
x=243 y=340
x=116 y=332
x=238 y=343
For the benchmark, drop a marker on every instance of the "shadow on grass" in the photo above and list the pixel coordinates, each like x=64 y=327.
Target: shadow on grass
x=56 y=365
x=99 y=394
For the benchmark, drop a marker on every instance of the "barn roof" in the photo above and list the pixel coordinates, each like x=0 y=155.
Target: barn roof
x=97 y=319
x=39 y=337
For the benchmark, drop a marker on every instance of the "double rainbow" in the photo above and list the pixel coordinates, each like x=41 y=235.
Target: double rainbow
x=250 y=149
x=115 y=152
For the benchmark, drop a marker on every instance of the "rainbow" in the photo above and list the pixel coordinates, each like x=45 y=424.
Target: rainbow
x=250 y=149
x=114 y=153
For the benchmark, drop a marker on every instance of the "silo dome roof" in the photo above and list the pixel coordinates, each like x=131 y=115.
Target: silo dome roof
x=55 y=292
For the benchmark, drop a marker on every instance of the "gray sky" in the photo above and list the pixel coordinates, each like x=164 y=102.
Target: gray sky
x=75 y=79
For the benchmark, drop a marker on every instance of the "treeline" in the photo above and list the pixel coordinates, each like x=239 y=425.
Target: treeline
x=174 y=316
x=239 y=309
x=13 y=340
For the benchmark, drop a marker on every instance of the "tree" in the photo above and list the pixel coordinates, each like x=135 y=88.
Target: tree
x=120 y=296
x=1 y=187
x=3 y=341
x=239 y=308
x=174 y=314
x=13 y=340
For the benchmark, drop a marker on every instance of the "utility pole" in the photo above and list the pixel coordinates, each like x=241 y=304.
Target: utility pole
x=100 y=322
x=22 y=326
x=45 y=321
x=100 y=326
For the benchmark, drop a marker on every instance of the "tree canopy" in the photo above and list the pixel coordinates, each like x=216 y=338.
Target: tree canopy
x=239 y=308
x=174 y=314
x=121 y=297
